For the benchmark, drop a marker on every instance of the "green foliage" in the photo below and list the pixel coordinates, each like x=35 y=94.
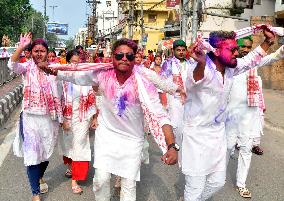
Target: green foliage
x=17 y=16
x=69 y=43
x=51 y=39
x=35 y=24
x=13 y=15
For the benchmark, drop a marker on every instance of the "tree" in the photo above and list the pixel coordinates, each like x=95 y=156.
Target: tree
x=69 y=43
x=52 y=40
x=13 y=15
x=35 y=24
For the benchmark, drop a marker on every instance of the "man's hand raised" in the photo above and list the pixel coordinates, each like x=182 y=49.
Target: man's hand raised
x=44 y=67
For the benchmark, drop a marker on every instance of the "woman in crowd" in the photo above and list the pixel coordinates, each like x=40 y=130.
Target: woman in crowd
x=51 y=57
x=40 y=116
x=78 y=110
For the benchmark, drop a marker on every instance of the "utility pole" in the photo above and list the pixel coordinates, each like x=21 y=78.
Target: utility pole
x=194 y=19
x=184 y=19
x=103 y=23
x=93 y=19
x=142 y=23
x=130 y=23
x=32 y=24
x=44 y=21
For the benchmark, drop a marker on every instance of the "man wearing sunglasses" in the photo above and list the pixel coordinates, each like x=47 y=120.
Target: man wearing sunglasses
x=244 y=123
x=208 y=87
x=120 y=133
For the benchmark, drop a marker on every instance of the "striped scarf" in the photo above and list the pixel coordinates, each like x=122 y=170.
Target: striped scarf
x=40 y=94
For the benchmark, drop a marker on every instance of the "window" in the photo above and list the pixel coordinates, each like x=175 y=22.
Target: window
x=169 y=34
x=258 y=2
x=108 y=3
x=152 y=18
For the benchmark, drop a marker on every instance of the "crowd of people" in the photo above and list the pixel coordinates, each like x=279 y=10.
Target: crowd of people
x=198 y=105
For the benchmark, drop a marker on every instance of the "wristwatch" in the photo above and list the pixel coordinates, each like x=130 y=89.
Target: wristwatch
x=173 y=145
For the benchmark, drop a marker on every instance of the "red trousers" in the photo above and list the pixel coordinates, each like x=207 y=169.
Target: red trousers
x=79 y=168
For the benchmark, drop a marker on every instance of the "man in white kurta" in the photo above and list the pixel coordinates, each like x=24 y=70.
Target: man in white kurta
x=120 y=134
x=244 y=122
x=204 y=141
x=176 y=68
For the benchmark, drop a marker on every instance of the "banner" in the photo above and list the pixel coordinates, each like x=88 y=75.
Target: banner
x=57 y=28
x=172 y=3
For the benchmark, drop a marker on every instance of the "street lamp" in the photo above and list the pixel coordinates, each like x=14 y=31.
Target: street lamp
x=53 y=7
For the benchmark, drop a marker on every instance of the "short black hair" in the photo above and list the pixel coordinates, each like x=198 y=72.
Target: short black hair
x=71 y=53
x=28 y=48
x=125 y=41
x=216 y=37
x=79 y=47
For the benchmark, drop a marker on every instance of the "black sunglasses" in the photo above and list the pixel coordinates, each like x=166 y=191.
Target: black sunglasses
x=129 y=56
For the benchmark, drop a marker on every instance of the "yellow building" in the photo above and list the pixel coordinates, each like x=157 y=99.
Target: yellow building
x=155 y=16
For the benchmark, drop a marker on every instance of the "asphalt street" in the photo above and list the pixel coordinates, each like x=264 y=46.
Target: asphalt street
x=159 y=182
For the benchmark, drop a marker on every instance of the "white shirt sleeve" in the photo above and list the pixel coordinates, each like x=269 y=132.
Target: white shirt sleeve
x=19 y=68
x=251 y=60
x=275 y=56
x=83 y=78
x=164 y=84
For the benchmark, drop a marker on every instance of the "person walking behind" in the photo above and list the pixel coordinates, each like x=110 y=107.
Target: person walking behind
x=40 y=116
x=244 y=113
x=27 y=54
x=78 y=110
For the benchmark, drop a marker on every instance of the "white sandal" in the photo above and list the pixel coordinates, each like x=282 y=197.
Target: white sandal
x=43 y=188
x=244 y=192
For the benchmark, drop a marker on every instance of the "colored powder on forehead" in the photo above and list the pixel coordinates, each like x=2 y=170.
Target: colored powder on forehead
x=39 y=41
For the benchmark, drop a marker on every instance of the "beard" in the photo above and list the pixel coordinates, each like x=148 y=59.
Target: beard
x=230 y=64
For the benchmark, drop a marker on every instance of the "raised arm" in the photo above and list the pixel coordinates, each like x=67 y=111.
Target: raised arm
x=83 y=78
x=254 y=58
x=13 y=63
x=275 y=56
x=200 y=57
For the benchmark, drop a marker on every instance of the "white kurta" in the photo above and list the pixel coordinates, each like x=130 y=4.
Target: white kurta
x=38 y=137
x=119 y=139
x=75 y=143
x=244 y=123
x=204 y=141
x=241 y=119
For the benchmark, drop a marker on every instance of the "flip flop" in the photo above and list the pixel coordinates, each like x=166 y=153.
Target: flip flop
x=77 y=189
x=43 y=188
x=244 y=192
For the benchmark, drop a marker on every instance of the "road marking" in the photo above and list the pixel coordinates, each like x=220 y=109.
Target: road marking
x=6 y=145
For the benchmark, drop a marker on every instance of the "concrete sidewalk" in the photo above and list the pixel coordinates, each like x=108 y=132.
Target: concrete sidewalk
x=274 y=115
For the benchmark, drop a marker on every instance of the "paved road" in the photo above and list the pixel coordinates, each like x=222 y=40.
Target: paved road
x=158 y=182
